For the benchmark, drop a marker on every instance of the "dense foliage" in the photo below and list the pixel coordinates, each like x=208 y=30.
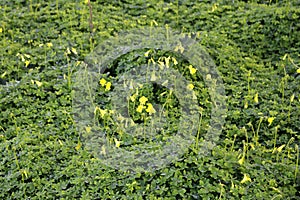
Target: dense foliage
x=255 y=46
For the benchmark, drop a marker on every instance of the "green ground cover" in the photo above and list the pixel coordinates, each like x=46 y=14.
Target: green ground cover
x=255 y=46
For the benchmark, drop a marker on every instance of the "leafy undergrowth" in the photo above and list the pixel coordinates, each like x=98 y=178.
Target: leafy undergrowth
x=255 y=46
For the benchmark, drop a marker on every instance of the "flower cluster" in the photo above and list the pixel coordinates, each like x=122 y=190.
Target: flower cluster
x=143 y=105
x=105 y=84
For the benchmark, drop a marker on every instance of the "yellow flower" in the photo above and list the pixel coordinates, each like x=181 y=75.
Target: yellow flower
x=161 y=64
x=298 y=71
x=88 y=129
x=1 y=30
x=78 y=146
x=214 y=7
x=270 y=120
x=74 y=51
x=22 y=57
x=150 y=109
x=140 y=108
x=102 y=112
x=2 y=75
x=256 y=98
x=143 y=100
x=78 y=63
x=246 y=179
x=107 y=86
x=147 y=53
x=154 y=22
x=102 y=82
x=242 y=160
x=167 y=61
x=117 y=142
x=190 y=86
x=39 y=84
x=68 y=51
x=26 y=55
x=151 y=61
x=49 y=44
x=192 y=69
x=27 y=62
x=292 y=97
x=133 y=97
x=279 y=149
x=174 y=61
x=179 y=48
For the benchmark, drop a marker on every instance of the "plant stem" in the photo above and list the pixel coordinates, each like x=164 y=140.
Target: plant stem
x=297 y=163
x=91 y=17
x=198 y=132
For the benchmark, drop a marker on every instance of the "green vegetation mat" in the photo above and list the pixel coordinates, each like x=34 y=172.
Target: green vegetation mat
x=255 y=46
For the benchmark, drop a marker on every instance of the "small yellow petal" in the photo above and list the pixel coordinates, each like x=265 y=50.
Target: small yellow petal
x=284 y=57
x=167 y=61
x=246 y=104
x=140 y=108
x=179 y=48
x=103 y=112
x=60 y=142
x=88 y=129
x=22 y=58
x=190 y=86
x=102 y=82
x=68 y=51
x=147 y=53
x=27 y=62
x=292 y=97
x=256 y=98
x=174 y=61
x=78 y=146
x=192 y=70
x=150 y=109
x=279 y=149
x=246 y=178
x=74 y=50
x=78 y=63
x=161 y=64
x=151 y=60
x=2 y=75
x=49 y=44
x=270 y=120
x=107 y=86
x=39 y=84
x=143 y=100
x=133 y=97
x=118 y=143
x=242 y=160
x=26 y=55
x=154 y=22
x=298 y=71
